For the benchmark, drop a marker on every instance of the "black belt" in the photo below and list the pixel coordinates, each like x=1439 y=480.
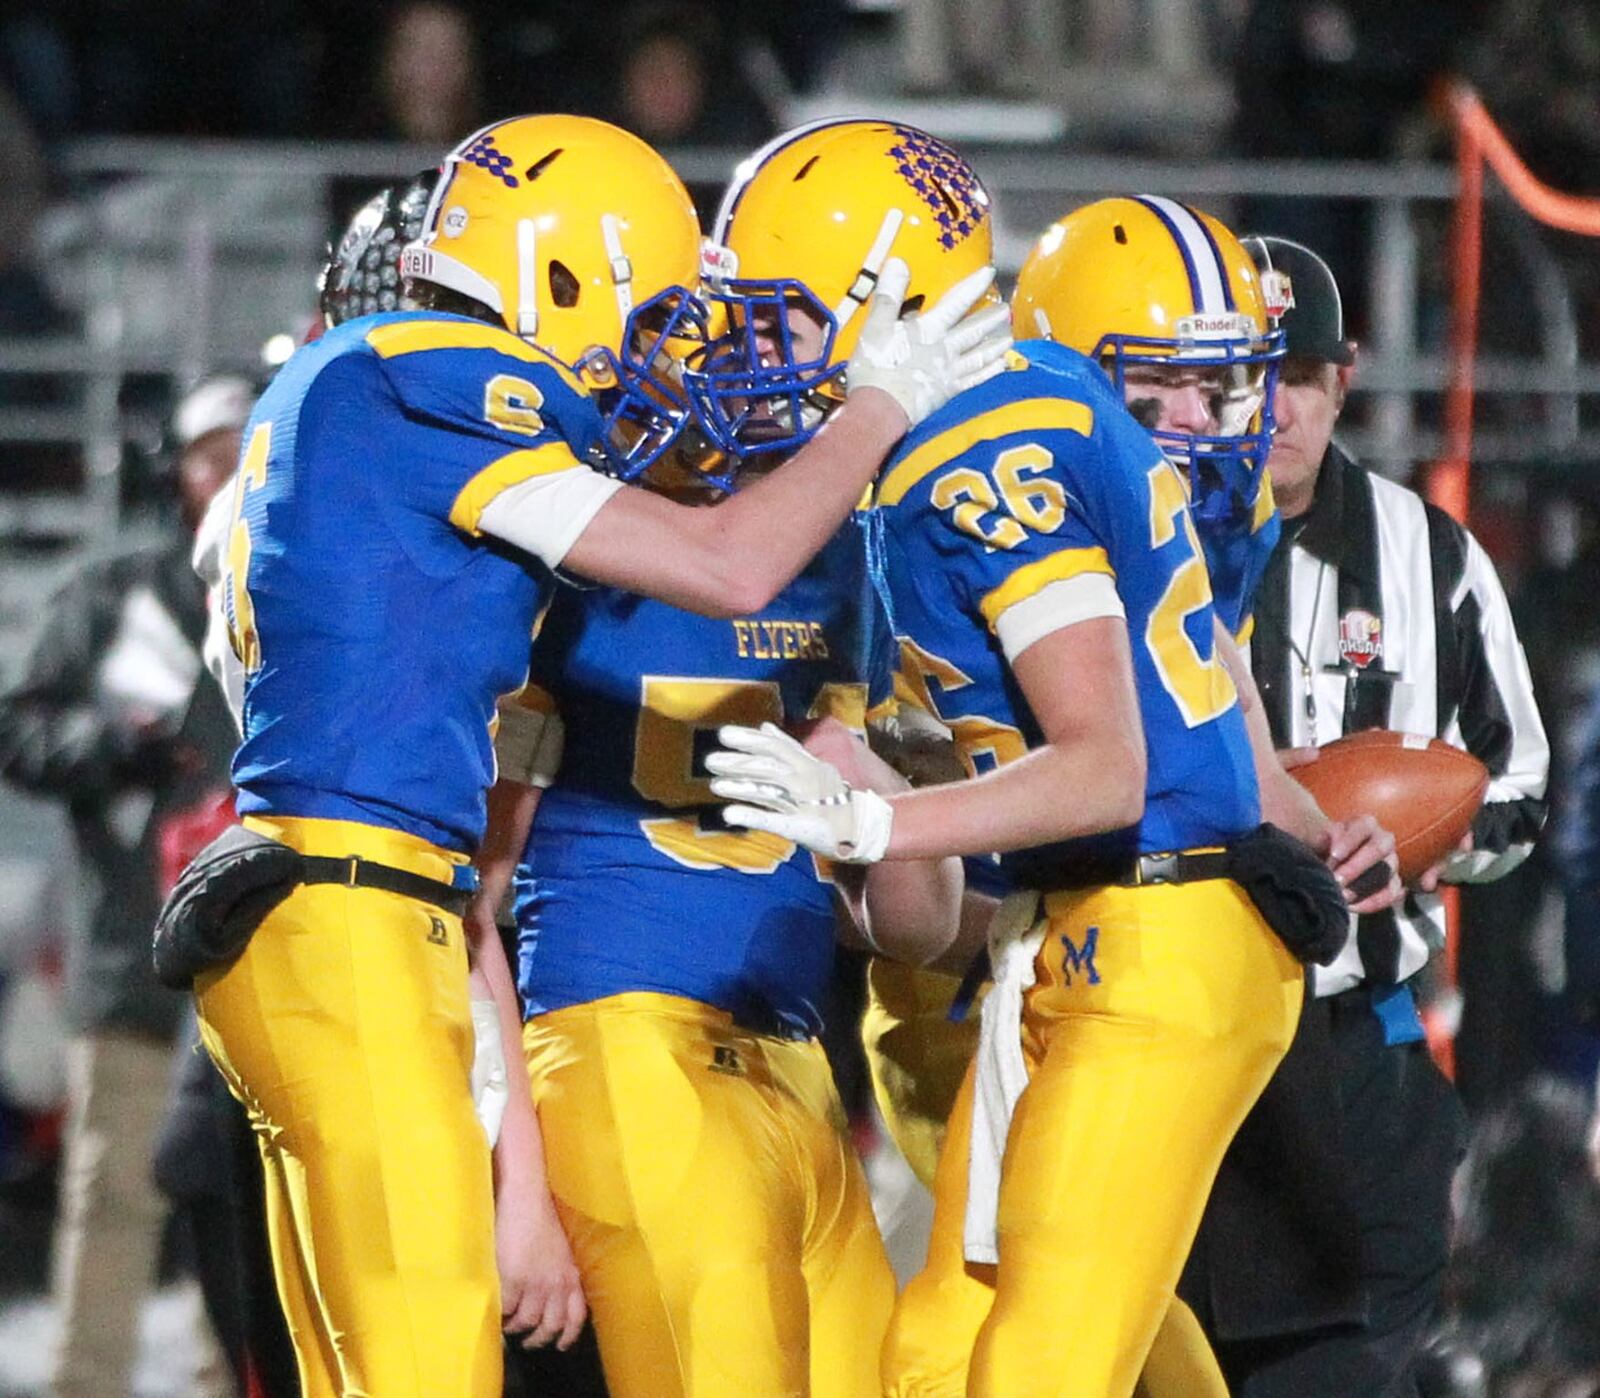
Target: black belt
x=1134 y=871
x=355 y=872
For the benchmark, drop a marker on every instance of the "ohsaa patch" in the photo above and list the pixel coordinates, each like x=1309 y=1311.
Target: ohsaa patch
x=1278 y=292
x=1360 y=638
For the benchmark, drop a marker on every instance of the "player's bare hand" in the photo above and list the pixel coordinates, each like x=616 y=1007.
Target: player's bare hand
x=1430 y=879
x=1361 y=855
x=1291 y=758
x=541 y=1295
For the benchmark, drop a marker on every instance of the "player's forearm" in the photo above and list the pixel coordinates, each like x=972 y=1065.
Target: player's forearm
x=1056 y=792
x=1284 y=802
x=1087 y=777
x=775 y=526
x=519 y=1151
x=1289 y=806
x=734 y=558
x=914 y=908
x=512 y=807
x=972 y=934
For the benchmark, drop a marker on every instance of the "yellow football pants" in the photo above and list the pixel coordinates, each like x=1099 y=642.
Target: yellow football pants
x=718 y=1213
x=916 y=1055
x=345 y=1031
x=918 y=1058
x=1156 y=1019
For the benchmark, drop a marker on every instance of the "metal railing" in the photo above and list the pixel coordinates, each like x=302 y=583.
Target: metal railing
x=184 y=257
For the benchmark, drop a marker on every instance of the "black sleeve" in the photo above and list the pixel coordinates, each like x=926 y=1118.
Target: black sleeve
x=1486 y=697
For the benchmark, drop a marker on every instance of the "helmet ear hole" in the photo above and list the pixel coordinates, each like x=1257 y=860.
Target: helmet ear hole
x=563 y=286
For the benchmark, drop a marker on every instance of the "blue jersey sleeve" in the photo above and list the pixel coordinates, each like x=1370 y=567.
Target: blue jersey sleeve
x=487 y=412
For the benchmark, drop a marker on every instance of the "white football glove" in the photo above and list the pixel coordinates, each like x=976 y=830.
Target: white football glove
x=924 y=360
x=796 y=796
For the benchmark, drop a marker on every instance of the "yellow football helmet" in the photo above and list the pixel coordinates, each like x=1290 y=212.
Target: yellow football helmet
x=561 y=225
x=1149 y=281
x=582 y=240
x=808 y=221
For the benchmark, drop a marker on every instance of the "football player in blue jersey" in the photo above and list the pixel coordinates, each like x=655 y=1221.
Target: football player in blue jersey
x=674 y=970
x=1123 y=280
x=407 y=483
x=1053 y=601
x=1074 y=288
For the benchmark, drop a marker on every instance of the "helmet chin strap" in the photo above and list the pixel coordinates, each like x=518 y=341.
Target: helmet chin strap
x=621 y=267
x=867 y=278
x=527 y=281
x=1238 y=414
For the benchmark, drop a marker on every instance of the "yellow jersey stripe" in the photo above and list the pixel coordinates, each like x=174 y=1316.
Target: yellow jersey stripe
x=413 y=336
x=1245 y=632
x=1033 y=578
x=508 y=470
x=1028 y=415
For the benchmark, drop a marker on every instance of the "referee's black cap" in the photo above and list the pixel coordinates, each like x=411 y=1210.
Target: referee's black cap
x=1302 y=293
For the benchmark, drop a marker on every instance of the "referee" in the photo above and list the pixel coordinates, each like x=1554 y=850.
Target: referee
x=1318 y=1266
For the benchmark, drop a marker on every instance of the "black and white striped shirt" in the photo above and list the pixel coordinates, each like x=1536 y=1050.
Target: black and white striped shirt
x=1380 y=611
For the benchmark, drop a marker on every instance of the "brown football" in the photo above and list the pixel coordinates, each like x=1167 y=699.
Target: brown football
x=1422 y=789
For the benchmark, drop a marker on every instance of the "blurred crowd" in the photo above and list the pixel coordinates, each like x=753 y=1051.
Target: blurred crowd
x=1319 y=79
x=421 y=71
x=1303 y=79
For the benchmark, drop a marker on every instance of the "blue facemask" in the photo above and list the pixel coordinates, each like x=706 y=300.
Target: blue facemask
x=745 y=405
